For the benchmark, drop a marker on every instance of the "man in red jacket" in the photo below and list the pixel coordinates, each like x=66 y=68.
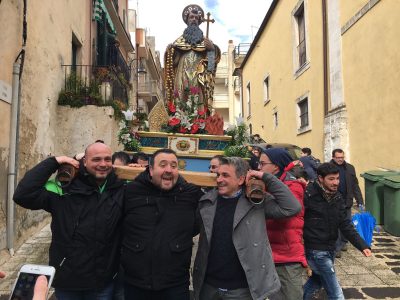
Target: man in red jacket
x=286 y=235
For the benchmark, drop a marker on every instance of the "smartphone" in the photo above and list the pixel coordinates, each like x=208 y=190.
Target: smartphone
x=25 y=283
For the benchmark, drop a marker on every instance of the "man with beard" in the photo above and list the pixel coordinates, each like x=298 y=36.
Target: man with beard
x=86 y=221
x=190 y=64
x=160 y=210
x=325 y=213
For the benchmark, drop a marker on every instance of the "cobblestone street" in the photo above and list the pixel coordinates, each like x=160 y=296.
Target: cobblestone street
x=377 y=277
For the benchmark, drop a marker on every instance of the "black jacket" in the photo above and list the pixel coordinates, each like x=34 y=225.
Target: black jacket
x=352 y=187
x=322 y=219
x=86 y=224
x=158 y=230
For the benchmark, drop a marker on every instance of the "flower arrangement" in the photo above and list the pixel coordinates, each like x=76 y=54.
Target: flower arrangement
x=187 y=113
x=240 y=138
x=128 y=137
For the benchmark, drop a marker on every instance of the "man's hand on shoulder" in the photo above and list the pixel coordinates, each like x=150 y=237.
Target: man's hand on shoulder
x=254 y=174
x=67 y=160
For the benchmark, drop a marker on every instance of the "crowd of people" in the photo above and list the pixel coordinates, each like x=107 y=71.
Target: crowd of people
x=116 y=239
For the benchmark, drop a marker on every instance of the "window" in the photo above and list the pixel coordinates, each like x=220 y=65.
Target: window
x=275 y=117
x=266 y=90
x=301 y=38
x=303 y=114
x=76 y=47
x=303 y=107
x=248 y=101
x=300 y=53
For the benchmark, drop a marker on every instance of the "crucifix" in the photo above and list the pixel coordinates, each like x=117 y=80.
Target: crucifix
x=208 y=20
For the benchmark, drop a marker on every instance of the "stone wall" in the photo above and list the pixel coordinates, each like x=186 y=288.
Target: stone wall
x=79 y=127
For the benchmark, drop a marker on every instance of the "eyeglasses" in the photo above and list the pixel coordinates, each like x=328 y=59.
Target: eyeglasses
x=212 y=167
x=263 y=163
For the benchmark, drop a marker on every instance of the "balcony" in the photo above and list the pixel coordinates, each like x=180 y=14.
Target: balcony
x=149 y=89
x=221 y=101
x=98 y=85
x=240 y=52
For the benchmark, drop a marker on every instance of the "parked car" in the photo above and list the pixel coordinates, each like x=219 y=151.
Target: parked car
x=294 y=151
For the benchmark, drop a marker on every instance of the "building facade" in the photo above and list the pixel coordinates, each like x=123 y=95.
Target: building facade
x=74 y=62
x=324 y=75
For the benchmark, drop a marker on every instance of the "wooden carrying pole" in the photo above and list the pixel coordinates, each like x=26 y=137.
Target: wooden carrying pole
x=198 y=178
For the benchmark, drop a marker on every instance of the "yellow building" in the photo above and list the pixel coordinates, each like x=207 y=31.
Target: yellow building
x=325 y=75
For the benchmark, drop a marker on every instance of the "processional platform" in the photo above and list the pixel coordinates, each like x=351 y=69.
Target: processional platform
x=194 y=150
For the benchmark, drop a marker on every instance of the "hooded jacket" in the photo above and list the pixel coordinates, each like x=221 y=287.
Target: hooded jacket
x=85 y=225
x=158 y=230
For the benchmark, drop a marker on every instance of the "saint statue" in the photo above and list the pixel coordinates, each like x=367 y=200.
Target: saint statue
x=190 y=64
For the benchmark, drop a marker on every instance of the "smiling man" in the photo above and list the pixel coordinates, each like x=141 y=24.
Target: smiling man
x=86 y=221
x=158 y=229
x=234 y=259
x=325 y=214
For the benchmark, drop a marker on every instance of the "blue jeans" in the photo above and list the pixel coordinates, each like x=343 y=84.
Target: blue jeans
x=323 y=275
x=104 y=294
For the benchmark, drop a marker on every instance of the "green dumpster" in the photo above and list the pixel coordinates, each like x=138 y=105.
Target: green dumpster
x=392 y=205
x=374 y=192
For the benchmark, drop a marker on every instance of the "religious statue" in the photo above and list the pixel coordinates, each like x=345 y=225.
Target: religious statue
x=190 y=64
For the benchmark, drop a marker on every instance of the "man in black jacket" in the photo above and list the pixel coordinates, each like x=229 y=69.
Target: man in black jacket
x=325 y=213
x=160 y=210
x=86 y=221
x=349 y=188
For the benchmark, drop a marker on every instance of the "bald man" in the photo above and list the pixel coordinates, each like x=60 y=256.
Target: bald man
x=86 y=218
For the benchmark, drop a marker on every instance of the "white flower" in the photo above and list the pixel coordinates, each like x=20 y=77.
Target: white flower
x=122 y=125
x=239 y=120
x=128 y=114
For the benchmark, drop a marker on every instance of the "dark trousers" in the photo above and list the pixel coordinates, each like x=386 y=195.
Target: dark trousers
x=341 y=241
x=180 y=292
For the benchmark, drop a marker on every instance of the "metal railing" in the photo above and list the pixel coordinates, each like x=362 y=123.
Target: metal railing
x=94 y=84
x=241 y=49
x=150 y=87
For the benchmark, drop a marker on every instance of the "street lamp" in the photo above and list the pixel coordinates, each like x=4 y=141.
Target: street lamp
x=139 y=69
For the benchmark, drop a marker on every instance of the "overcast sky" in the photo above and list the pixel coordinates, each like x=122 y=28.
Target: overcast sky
x=234 y=20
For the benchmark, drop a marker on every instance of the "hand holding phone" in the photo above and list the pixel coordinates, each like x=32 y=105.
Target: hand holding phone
x=25 y=286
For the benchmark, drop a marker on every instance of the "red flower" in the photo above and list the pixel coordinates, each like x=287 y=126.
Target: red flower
x=195 y=128
x=173 y=121
x=201 y=112
x=194 y=90
x=171 y=107
x=182 y=129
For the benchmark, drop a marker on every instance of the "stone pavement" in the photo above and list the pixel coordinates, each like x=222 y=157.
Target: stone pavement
x=376 y=277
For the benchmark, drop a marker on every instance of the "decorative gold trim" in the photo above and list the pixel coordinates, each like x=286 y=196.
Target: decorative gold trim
x=199 y=136
x=201 y=154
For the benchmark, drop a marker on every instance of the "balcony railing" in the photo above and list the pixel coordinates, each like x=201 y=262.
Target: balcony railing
x=95 y=84
x=241 y=50
x=150 y=88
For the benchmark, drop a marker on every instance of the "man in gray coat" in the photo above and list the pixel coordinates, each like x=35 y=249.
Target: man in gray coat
x=234 y=258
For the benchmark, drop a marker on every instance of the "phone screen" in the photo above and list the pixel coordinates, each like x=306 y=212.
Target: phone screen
x=25 y=285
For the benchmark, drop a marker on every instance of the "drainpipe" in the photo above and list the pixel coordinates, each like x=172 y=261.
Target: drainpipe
x=12 y=158
x=14 y=128
x=325 y=56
